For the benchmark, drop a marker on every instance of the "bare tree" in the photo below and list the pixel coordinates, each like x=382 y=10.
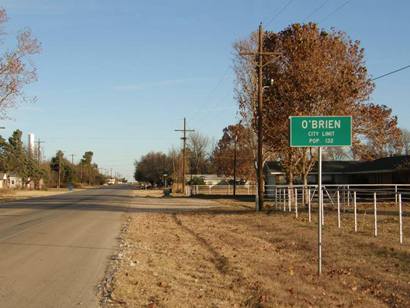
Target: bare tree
x=405 y=133
x=16 y=68
x=198 y=151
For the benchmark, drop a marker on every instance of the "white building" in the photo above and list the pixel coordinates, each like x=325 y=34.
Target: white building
x=3 y=180
x=31 y=144
x=14 y=181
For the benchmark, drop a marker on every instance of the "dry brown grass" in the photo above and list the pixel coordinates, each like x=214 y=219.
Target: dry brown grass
x=151 y=193
x=13 y=194
x=234 y=257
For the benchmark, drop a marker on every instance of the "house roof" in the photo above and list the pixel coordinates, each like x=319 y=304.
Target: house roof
x=208 y=177
x=351 y=166
x=385 y=163
x=13 y=175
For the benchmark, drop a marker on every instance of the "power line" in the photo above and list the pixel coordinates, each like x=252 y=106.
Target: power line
x=336 y=10
x=279 y=12
x=209 y=95
x=392 y=72
x=316 y=9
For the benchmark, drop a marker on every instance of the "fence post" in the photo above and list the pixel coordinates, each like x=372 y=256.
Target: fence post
x=279 y=195
x=355 y=211
x=395 y=194
x=338 y=208
x=276 y=198
x=323 y=208
x=284 y=199
x=290 y=200
x=309 y=206
x=296 y=203
x=375 y=213
x=400 y=220
x=348 y=196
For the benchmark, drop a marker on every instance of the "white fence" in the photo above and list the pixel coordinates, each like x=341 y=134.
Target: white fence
x=227 y=190
x=364 y=192
x=346 y=198
x=340 y=198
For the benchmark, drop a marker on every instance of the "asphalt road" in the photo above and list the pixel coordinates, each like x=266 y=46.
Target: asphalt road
x=55 y=250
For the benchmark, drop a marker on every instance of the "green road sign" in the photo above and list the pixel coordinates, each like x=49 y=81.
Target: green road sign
x=320 y=131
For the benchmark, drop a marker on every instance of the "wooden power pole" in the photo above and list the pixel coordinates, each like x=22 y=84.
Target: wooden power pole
x=259 y=112
x=184 y=138
x=39 y=142
x=59 y=171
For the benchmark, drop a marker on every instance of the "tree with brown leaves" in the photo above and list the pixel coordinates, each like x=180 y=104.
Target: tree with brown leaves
x=377 y=133
x=318 y=73
x=234 y=138
x=16 y=69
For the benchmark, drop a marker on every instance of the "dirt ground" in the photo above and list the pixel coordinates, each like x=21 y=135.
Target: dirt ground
x=11 y=195
x=231 y=256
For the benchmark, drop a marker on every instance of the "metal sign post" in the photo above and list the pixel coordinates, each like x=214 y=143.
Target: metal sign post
x=320 y=131
x=319 y=217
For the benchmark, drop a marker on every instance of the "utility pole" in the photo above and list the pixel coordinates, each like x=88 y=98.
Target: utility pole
x=72 y=158
x=234 y=166
x=184 y=138
x=235 y=156
x=39 y=142
x=259 y=117
x=81 y=172
x=59 y=170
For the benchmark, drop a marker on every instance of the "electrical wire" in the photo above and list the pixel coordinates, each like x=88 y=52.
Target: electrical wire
x=209 y=95
x=336 y=10
x=316 y=9
x=278 y=13
x=392 y=72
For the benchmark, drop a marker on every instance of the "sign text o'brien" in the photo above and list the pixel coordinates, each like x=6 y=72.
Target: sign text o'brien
x=317 y=131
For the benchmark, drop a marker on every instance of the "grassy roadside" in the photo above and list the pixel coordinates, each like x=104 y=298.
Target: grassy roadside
x=235 y=258
x=13 y=195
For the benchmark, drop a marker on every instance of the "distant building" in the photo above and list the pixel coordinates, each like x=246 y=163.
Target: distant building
x=14 y=181
x=387 y=170
x=31 y=144
x=209 y=179
x=3 y=180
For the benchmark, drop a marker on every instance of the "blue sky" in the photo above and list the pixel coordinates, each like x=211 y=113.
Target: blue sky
x=117 y=77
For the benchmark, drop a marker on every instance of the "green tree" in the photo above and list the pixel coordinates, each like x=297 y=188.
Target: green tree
x=88 y=169
x=57 y=165
x=152 y=167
